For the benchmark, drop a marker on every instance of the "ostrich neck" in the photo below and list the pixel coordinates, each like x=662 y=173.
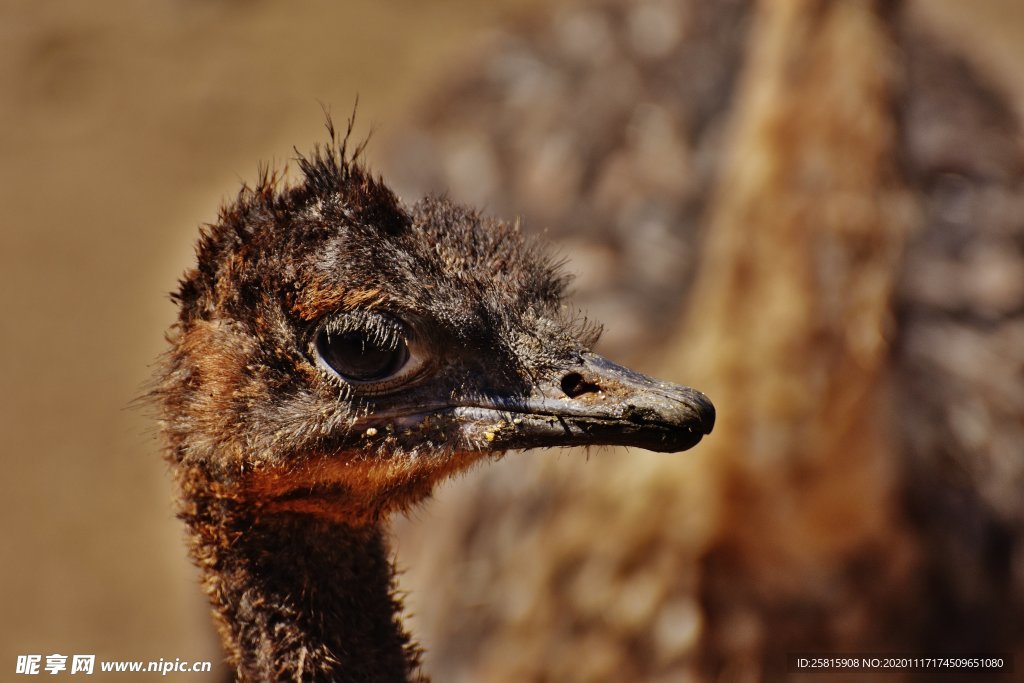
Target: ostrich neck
x=298 y=598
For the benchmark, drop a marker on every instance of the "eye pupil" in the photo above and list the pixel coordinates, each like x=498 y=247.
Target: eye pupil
x=356 y=357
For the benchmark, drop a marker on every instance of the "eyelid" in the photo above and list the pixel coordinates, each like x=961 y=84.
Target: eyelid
x=380 y=328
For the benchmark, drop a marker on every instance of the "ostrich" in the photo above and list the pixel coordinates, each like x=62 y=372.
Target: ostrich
x=336 y=355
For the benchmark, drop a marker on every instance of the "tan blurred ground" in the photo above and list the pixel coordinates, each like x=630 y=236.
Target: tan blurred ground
x=122 y=126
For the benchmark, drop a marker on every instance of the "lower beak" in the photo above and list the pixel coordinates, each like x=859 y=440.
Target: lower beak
x=595 y=402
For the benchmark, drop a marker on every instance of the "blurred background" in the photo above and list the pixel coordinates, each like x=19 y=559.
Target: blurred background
x=813 y=211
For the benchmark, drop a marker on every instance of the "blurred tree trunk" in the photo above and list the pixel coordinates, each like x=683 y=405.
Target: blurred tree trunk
x=855 y=193
x=789 y=331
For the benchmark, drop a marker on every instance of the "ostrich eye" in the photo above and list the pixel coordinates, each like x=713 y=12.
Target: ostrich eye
x=357 y=357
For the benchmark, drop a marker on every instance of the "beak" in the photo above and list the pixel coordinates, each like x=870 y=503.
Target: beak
x=594 y=403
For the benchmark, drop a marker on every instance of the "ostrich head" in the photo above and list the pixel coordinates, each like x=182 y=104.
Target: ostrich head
x=337 y=352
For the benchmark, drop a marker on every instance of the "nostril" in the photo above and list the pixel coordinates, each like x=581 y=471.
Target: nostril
x=574 y=385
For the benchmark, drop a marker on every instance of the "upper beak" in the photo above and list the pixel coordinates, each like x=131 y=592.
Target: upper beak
x=595 y=403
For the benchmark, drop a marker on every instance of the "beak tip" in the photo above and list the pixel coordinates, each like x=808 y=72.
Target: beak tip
x=705 y=410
